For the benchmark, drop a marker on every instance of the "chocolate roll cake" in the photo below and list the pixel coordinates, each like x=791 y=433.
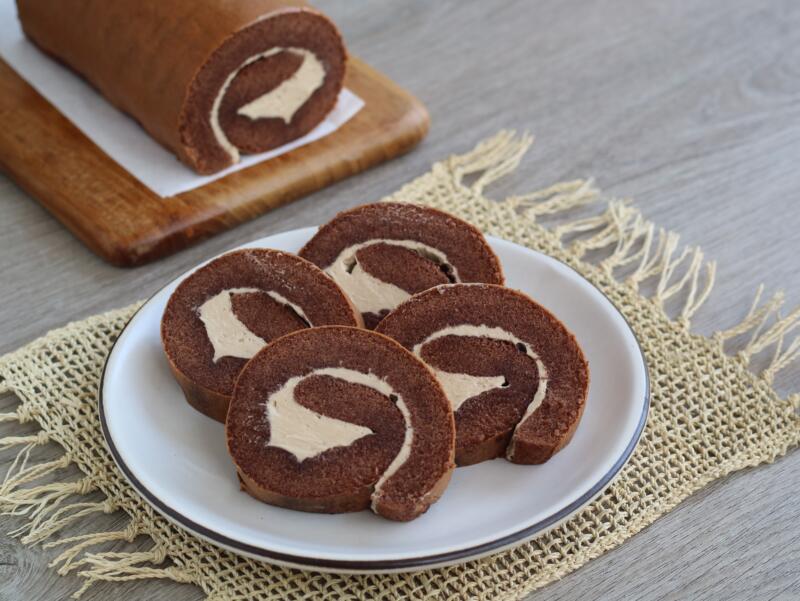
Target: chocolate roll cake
x=338 y=419
x=381 y=254
x=228 y=310
x=207 y=79
x=515 y=376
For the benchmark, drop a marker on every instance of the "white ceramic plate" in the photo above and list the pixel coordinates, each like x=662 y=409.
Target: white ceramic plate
x=176 y=458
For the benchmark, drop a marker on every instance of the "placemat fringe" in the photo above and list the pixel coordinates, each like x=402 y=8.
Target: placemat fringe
x=73 y=556
x=124 y=567
x=557 y=198
x=495 y=157
x=647 y=252
x=19 y=472
x=763 y=336
x=46 y=516
x=12 y=416
x=38 y=502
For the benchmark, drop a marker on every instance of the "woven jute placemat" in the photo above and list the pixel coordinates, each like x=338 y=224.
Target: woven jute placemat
x=711 y=414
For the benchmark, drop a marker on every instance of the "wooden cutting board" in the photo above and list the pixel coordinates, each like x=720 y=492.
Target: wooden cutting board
x=127 y=224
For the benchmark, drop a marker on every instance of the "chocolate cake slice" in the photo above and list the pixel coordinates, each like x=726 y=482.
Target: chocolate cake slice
x=207 y=79
x=337 y=419
x=228 y=310
x=515 y=376
x=381 y=254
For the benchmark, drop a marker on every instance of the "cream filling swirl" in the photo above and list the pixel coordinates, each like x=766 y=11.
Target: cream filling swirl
x=228 y=335
x=281 y=102
x=305 y=433
x=461 y=387
x=368 y=293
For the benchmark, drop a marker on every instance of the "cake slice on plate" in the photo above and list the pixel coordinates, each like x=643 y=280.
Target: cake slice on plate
x=381 y=254
x=338 y=419
x=228 y=310
x=515 y=376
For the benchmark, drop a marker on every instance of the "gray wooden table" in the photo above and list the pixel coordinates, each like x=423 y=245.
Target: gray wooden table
x=691 y=108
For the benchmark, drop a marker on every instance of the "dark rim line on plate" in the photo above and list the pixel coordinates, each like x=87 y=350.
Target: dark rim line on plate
x=391 y=564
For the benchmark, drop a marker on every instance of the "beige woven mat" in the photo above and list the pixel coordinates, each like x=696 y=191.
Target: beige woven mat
x=710 y=414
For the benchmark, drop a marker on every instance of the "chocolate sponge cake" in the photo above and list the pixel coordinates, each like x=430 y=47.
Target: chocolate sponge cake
x=207 y=79
x=337 y=419
x=515 y=376
x=381 y=254
x=225 y=312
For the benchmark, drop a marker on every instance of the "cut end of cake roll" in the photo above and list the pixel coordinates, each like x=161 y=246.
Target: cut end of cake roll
x=516 y=378
x=228 y=310
x=338 y=419
x=208 y=80
x=381 y=254
x=267 y=84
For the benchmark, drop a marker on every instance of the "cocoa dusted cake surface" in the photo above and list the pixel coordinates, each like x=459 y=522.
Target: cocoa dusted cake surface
x=516 y=377
x=337 y=419
x=207 y=79
x=248 y=298
x=382 y=253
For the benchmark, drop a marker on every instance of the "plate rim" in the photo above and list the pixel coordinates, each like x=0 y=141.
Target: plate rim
x=407 y=564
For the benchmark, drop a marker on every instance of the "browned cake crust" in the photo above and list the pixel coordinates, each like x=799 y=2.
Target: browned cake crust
x=164 y=62
x=493 y=423
x=343 y=478
x=208 y=385
x=469 y=257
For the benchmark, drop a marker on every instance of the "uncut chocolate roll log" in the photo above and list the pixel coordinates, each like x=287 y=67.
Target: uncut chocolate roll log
x=207 y=79
x=228 y=310
x=338 y=419
x=381 y=254
x=515 y=376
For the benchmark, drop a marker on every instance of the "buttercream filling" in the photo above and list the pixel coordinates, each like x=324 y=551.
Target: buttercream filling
x=368 y=293
x=305 y=433
x=460 y=387
x=282 y=102
x=228 y=335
